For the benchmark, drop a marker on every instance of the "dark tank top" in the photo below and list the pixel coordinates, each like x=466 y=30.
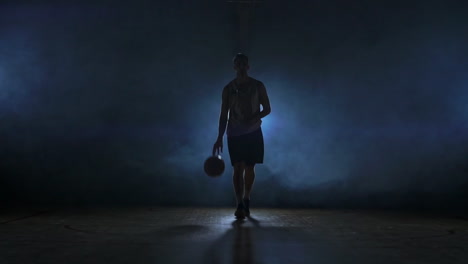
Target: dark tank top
x=244 y=103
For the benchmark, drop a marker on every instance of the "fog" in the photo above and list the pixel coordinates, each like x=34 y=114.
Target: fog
x=111 y=103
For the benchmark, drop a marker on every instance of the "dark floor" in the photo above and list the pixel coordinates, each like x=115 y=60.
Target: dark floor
x=211 y=235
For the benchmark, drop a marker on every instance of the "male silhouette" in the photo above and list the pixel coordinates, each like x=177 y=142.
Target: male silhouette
x=241 y=99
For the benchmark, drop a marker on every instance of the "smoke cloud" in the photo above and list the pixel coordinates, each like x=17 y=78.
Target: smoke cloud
x=120 y=104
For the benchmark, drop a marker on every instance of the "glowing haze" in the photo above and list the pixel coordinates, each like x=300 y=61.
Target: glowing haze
x=120 y=104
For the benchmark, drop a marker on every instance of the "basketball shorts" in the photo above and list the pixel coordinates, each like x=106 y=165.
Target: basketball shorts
x=248 y=148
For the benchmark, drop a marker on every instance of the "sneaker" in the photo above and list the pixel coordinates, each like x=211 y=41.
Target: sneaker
x=240 y=212
x=247 y=207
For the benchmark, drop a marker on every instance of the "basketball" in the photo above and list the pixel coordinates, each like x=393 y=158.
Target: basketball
x=214 y=166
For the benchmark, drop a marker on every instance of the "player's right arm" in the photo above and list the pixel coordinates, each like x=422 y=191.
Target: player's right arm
x=223 y=119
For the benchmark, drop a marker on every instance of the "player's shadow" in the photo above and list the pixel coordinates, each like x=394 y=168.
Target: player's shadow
x=236 y=245
x=243 y=247
x=251 y=241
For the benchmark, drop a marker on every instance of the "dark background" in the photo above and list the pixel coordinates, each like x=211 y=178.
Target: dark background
x=110 y=103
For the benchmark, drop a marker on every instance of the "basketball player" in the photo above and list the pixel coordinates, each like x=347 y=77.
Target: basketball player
x=241 y=99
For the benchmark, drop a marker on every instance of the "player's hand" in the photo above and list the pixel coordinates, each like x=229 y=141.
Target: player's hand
x=218 y=147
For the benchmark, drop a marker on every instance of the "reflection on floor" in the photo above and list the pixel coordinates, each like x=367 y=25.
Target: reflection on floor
x=212 y=235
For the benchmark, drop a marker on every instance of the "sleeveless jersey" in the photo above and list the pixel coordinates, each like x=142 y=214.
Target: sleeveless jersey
x=244 y=103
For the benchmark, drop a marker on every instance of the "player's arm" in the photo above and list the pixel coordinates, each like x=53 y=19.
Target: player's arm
x=223 y=117
x=264 y=101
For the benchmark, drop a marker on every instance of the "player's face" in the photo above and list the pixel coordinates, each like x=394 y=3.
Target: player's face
x=241 y=65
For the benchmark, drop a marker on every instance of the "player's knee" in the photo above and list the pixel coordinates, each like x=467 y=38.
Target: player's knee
x=239 y=167
x=250 y=168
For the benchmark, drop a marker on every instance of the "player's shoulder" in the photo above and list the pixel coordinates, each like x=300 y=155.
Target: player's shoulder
x=257 y=83
x=229 y=84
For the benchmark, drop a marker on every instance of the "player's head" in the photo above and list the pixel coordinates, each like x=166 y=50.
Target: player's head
x=241 y=62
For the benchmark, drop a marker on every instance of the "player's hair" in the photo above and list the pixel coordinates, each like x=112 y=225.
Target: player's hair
x=241 y=56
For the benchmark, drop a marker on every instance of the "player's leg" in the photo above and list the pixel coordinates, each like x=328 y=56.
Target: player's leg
x=235 y=153
x=249 y=181
x=238 y=182
x=254 y=156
